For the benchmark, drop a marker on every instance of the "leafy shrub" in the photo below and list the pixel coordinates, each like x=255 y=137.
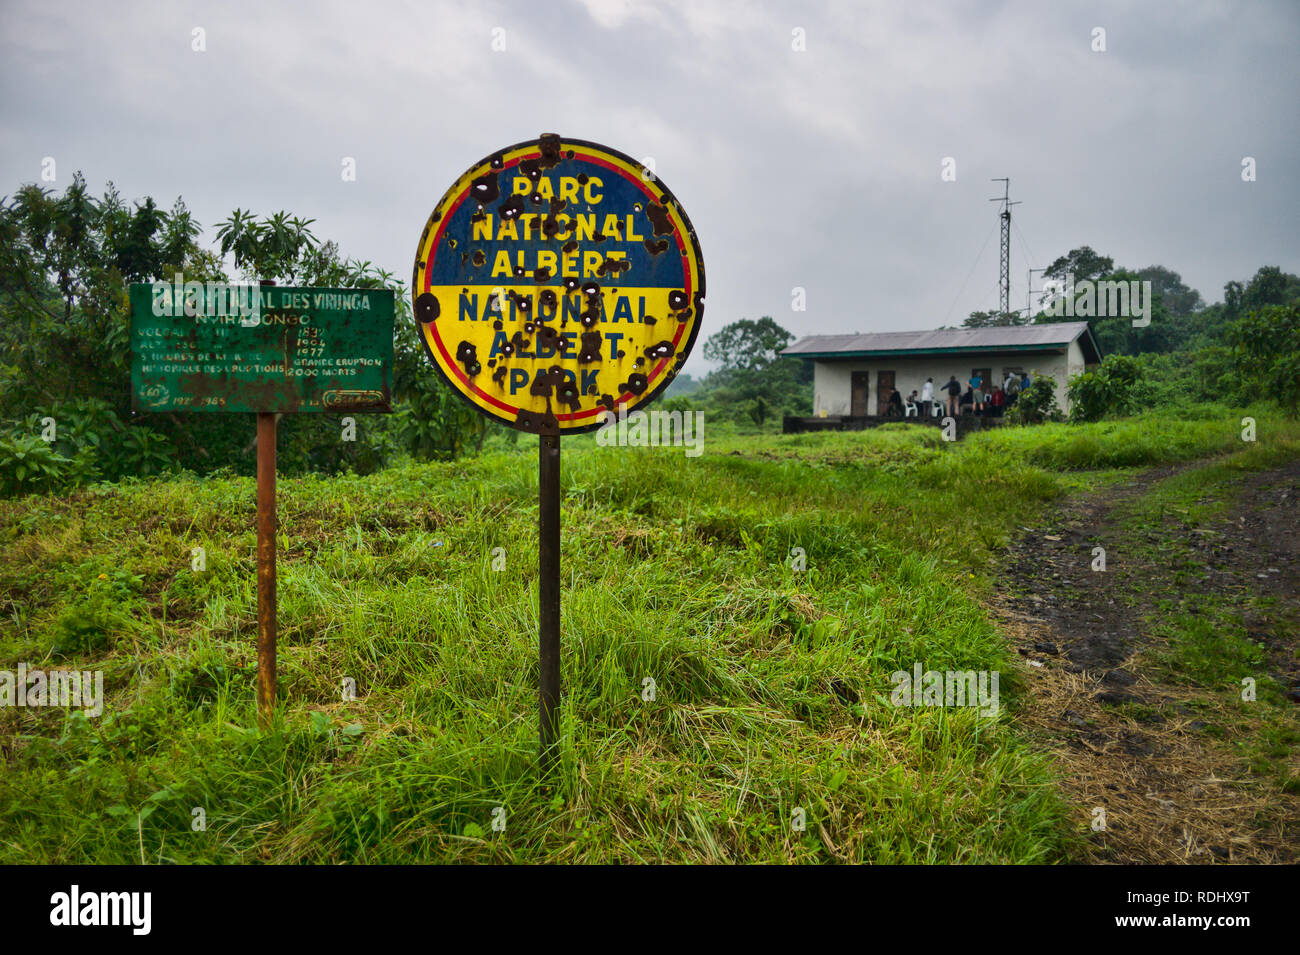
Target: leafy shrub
x=97 y=442
x=677 y=403
x=1266 y=346
x=139 y=452
x=1263 y=363
x=1106 y=390
x=1037 y=403
x=78 y=423
x=29 y=464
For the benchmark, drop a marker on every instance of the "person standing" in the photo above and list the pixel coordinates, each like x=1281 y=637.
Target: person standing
x=977 y=396
x=954 y=392
x=998 y=400
x=1012 y=388
x=927 y=396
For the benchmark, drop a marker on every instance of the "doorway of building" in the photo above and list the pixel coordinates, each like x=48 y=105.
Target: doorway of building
x=884 y=388
x=859 y=382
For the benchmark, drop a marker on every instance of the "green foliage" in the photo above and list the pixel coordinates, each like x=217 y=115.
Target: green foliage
x=747 y=345
x=683 y=384
x=676 y=403
x=29 y=464
x=1261 y=363
x=754 y=384
x=1179 y=319
x=1269 y=286
x=1146 y=440
x=1106 y=390
x=994 y=319
x=773 y=685
x=101 y=610
x=65 y=262
x=89 y=429
x=1266 y=346
x=433 y=422
x=1168 y=286
x=1036 y=404
x=1116 y=334
x=276 y=247
x=1082 y=263
x=140 y=452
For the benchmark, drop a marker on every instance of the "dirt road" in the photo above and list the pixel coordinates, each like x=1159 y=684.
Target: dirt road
x=1135 y=671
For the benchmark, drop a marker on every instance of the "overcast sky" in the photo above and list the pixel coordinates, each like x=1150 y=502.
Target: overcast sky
x=817 y=168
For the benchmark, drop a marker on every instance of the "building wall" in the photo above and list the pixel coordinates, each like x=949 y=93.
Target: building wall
x=832 y=379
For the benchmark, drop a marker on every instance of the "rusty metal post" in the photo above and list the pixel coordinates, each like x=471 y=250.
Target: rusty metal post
x=265 y=566
x=548 y=594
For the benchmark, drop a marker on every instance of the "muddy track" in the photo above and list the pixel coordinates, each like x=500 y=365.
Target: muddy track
x=1154 y=760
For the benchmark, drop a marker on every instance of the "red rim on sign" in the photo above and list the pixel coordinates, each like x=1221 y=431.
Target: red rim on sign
x=558 y=281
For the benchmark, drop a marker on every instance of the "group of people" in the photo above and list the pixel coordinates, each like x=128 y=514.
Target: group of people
x=977 y=398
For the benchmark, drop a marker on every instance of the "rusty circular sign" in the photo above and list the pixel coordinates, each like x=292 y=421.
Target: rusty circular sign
x=555 y=281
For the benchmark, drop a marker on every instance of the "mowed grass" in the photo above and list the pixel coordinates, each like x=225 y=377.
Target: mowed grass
x=719 y=703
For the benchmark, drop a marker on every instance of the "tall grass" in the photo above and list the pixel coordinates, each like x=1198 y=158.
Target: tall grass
x=770 y=684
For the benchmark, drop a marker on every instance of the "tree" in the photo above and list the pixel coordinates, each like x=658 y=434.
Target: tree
x=683 y=384
x=1270 y=286
x=1266 y=347
x=747 y=345
x=275 y=248
x=994 y=319
x=1179 y=299
x=140 y=257
x=1081 y=263
x=65 y=263
x=754 y=383
x=180 y=236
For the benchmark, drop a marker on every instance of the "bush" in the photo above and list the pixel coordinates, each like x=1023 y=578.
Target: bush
x=1107 y=390
x=1037 y=403
x=1266 y=347
x=676 y=403
x=29 y=464
x=139 y=452
x=1263 y=363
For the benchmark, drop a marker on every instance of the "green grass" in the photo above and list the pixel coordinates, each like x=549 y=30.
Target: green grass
x=771 y=685
x=1202 y=640
x=1150 y=439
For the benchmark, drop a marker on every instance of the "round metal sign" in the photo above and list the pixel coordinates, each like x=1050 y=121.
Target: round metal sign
x=557 y=281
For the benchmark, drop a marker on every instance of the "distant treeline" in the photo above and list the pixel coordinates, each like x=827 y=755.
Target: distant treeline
x=1242 y=350
x=66 y=261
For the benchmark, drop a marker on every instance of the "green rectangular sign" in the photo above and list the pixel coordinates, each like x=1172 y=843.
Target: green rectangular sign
x=216 y=347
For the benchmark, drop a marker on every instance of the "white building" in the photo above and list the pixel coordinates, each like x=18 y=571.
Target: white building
x=853 y=374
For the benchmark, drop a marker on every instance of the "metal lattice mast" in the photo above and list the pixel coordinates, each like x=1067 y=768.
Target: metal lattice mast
x=1004 y=275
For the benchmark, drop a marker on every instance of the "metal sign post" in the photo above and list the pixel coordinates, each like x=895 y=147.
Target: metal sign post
x=266 y=633
x=558 y=285
x=548 y=593
x=272 y=350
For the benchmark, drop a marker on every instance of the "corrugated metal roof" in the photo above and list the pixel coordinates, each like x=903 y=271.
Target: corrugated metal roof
x=1016 y=337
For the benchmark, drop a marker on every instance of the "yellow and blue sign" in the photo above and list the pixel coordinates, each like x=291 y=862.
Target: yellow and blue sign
x=557 y=282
